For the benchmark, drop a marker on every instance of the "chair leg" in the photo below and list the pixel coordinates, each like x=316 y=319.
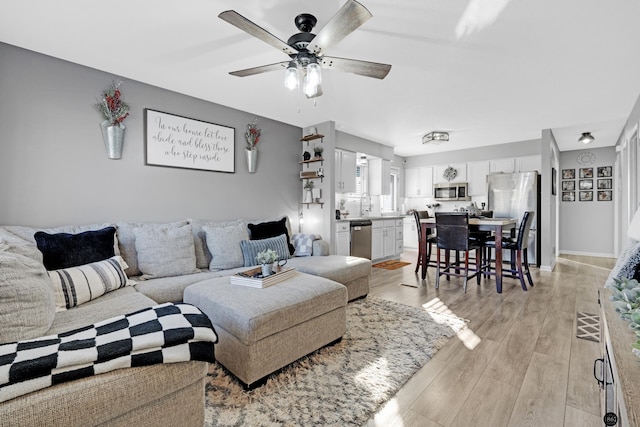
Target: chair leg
x=526 y=266
x=447 y=260
x=437 y=267
x=479 y=265
x=418 y=263
x=520 y=273
x=466 y=270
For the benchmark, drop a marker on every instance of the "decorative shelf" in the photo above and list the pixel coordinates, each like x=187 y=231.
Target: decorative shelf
x=313 y=203
x=313 y=160
x=312 y=177
x=312 y=137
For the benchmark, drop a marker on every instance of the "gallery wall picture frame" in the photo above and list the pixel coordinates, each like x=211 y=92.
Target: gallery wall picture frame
x=554 y=180
x=181 y=142
x=605 y=184
x=568 y=173
x=605 y=171
x=568 y=196
x=586 y=172
x=585 y=184
x=605 y=195
x=568 y=185
x=585 y=196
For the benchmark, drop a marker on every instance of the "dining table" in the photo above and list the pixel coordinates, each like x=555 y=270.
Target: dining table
x=496 y=225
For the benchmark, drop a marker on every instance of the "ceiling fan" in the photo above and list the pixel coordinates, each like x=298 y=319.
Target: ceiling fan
x=306 y=49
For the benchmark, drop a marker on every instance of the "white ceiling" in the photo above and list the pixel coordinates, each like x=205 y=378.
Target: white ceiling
x=566 y=65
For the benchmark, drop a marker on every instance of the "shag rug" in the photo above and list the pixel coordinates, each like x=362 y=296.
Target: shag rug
x=339 y=385
x=391 y=264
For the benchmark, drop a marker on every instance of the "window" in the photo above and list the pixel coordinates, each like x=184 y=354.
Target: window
x=390 y=202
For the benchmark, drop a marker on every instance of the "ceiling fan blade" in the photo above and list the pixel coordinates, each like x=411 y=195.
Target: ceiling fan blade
x=237 y=20
x=343 y=23
x=260 y=70
x=363 y=68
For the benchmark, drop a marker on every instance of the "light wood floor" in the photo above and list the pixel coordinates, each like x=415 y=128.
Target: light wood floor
x=519 y=362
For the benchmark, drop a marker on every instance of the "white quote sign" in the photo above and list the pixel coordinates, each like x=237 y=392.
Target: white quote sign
x=187 y=143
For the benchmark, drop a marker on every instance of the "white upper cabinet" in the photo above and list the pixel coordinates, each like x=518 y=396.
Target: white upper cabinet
x=419 y=182
x=460 y=173
x=379 y=177
x=477 y=175
x=529 y=163
x=345 y=171
x=502 y=165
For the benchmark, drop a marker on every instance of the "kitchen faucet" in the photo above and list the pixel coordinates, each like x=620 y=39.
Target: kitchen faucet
x=362 y=196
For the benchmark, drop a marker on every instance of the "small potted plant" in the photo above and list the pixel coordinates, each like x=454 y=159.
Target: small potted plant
x=308 y=186
x=317 y=151
x=266 y=258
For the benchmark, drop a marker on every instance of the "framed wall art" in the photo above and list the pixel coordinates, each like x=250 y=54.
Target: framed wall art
x=568 y=196
x=605 y=184
x=605 y=171
x=568 y=185
x=605 y=195
x=181 y=142
x=586 y=172
x=585 y=184
x=586 y=196
x=568 y=173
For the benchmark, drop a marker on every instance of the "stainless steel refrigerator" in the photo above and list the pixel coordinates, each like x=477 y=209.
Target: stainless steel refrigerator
x=509 y=196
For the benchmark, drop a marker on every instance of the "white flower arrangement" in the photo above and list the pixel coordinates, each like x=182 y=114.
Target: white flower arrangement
x=268 y=256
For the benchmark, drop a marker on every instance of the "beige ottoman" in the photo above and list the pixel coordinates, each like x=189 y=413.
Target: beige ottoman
x=263 y=330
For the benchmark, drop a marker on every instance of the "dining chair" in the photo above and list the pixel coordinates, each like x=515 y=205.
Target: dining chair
x=518 y=247
x=452 y=234
x=430 y=239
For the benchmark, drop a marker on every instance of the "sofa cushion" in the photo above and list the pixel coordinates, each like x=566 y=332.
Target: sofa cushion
x=268 y=229
x=250 y=248
x=165 y=251
x=64 y=250
x=223 y=242
x=27 y=307
x=203 y=256
x=76 y=285
x=127 y=241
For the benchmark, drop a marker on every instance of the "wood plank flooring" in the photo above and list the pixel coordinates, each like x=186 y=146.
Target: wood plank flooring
x=519 y=362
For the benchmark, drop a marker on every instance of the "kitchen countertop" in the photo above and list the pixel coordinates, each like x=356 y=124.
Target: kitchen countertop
x=373 y=218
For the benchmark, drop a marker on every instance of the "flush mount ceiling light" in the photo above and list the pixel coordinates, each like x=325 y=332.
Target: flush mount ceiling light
x=307 y=50
x=435 y=137
x=586 y=138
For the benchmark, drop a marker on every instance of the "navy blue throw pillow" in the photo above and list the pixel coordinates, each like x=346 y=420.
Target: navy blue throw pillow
x=265 y=230
x=64 y=250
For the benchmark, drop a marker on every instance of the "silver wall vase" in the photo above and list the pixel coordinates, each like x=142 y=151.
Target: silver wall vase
x=252 y=159
x=113 y=136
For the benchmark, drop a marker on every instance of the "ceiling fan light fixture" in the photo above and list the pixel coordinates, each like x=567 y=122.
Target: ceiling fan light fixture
x=435 y=137
x=586 y=138
x=291 y=76
x=314 y=74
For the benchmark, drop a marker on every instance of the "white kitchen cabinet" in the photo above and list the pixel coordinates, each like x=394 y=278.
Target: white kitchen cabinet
x=506 y=165
x=410 y=233
x=529 y=163
x=377 y=239
x=343 y=239
x=345 y=171
x=389 y=237
x=419 y=182
x=477 y=175
x=461 y=173
x=379 y=177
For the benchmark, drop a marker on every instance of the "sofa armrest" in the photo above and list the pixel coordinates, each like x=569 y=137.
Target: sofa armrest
x=320 y=248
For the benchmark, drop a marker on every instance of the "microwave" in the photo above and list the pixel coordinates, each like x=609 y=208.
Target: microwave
x=451 y=191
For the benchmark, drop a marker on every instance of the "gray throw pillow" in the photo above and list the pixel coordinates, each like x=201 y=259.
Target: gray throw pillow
x=223 y=242
x=165 y=251
x=27 y=305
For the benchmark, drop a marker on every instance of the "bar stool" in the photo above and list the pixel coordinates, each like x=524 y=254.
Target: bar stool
x=452 y=233
x=518 y=248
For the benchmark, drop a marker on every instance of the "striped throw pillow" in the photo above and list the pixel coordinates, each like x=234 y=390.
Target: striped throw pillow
x=250 y=248
x=76 y=285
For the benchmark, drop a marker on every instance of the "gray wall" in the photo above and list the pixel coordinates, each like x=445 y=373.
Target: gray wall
x=54 y=169
x=578 y=235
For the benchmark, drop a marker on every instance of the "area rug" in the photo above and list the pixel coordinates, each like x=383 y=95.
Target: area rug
x=588 y=326
x=391 y=264
x=339 y=385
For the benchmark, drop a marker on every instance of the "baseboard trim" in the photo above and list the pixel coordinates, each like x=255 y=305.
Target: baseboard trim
x=593 y=254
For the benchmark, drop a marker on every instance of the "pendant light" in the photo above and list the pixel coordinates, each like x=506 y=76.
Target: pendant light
x=586 y=138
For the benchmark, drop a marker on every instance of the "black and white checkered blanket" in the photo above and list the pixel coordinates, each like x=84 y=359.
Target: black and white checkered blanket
x=167 y=333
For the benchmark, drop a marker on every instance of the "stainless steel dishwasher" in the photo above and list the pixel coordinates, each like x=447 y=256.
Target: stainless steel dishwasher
x=361 y=238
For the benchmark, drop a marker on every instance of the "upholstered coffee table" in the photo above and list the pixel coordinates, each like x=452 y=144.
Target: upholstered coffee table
x=263 y=330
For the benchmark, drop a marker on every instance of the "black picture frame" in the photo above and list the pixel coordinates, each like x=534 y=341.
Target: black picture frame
x=585 y=184
x=568 y=185
x=605 y=171
x=554 y=180
x=568 y=173
x=605 y=184
x=605 y=195
x=586 y=172
x=585 y=196
x=568 y=196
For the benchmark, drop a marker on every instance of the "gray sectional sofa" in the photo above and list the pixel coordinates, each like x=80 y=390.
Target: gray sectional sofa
x=163 y=394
